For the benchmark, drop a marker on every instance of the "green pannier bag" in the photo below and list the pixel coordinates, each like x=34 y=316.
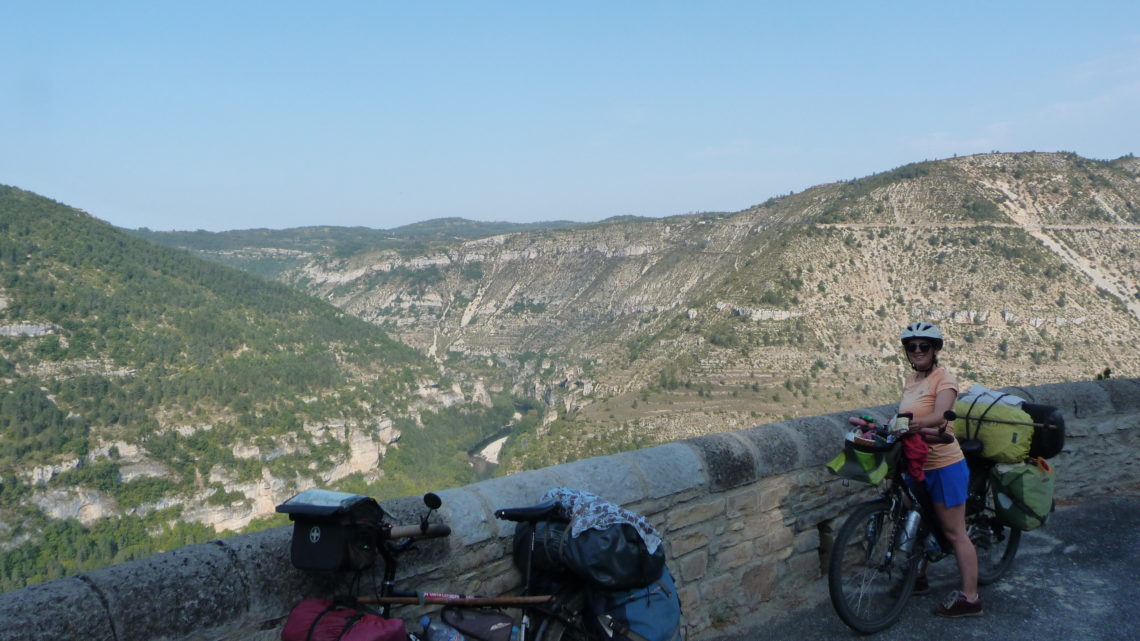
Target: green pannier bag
x=866 y=463
x=1001 y=442
x=1023 y=494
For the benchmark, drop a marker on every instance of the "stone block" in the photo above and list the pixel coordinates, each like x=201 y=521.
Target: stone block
x=801 y=569
x=820 y=438
x=806 y=540
x=728 y=459
x=687 y=514
x=61 y=609
x=515 y=490
x=682 y=545
x=693 y=566
x=667 y=469
x=610 y=477
x=775 y=445
x=264 y=563
x=198 y=589
x=723 y=588
x=759 y=582
x=1123 y=393
x=774 y=490
x=690 y=596
x=776 y=542
x=1075 y=400
x=470 y=520
x=744 y=502
x=734 y=556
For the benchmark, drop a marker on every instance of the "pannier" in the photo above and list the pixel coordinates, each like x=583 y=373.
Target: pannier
x=615 y=558
x=650 y=613
x=1023 y=494
x=324 y=620
x=333 y=531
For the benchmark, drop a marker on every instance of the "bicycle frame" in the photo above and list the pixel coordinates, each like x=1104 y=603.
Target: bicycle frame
x=393 y=541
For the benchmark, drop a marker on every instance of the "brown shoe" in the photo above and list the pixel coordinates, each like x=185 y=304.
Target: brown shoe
x=957 y=605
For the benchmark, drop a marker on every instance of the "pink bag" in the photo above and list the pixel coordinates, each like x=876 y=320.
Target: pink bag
x=324 y=620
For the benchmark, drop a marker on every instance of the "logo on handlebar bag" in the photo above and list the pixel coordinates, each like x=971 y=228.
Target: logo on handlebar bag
x=315 y=534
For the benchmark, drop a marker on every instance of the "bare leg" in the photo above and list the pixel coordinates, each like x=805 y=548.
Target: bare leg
x=953 y=521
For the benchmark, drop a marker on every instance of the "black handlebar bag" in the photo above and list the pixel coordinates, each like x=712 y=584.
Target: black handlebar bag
x=333 y=531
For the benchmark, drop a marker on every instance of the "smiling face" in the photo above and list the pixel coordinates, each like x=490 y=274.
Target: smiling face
x=921 y=353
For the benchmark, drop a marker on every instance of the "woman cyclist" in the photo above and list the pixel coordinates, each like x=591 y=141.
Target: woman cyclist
x=927 y=394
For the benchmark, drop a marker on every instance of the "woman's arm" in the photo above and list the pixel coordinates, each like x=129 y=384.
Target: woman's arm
x=935 y=419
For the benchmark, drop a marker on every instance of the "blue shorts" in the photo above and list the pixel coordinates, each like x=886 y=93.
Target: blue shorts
x=948 y=485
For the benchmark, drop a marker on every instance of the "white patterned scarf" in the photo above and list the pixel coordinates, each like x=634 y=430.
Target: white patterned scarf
x=585 y=510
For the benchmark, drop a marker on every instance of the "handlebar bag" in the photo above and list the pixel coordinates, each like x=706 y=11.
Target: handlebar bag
x=324 y=620
x=333 y=531
x=864 y=463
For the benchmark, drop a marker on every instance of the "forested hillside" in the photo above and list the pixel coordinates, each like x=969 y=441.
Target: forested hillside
x=179 y=397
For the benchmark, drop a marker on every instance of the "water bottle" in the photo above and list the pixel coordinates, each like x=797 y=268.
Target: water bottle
x=514 y=633
x=910 y=529
x=439 y=631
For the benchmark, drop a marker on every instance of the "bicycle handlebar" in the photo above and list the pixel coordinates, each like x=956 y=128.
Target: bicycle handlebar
x=432 y=531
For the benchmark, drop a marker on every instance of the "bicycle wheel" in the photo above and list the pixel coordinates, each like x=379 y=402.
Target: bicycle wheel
x=996 y=543
x=565 y=621
x=865 y=566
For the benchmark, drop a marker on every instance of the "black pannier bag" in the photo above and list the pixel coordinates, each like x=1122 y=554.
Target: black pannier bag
x=333 y=531
x=615 y=558
x=1049 y=436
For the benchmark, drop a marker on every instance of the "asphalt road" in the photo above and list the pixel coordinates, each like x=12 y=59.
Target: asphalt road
x=1076 y=579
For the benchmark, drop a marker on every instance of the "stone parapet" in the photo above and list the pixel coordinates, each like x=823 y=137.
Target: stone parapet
x=747 y=518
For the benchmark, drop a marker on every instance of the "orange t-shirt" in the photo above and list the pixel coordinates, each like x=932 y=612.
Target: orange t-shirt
x=918 y=398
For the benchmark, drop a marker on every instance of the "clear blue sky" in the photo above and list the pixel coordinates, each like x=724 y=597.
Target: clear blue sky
x=240 y=114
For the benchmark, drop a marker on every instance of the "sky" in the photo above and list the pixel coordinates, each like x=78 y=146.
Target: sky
x=223 y=115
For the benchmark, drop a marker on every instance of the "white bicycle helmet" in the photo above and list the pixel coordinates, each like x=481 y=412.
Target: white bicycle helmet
x=921 y=329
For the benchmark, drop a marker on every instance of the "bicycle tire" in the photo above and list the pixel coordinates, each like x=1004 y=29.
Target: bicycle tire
x=995 y=542
x=861 y=574
x=565 y=621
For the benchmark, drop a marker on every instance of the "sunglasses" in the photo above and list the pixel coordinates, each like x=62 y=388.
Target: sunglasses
x=918 y=347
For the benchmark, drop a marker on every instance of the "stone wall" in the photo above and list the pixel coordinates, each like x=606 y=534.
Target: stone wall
x=747 y=518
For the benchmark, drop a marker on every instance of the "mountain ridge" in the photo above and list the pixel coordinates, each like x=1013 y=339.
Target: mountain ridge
x=717 y=319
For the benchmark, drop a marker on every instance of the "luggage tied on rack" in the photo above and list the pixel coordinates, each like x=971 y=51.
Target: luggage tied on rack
x=1009 y=428
x=597 y=542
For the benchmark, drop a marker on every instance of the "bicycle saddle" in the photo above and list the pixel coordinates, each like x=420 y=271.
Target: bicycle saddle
x=548 y=511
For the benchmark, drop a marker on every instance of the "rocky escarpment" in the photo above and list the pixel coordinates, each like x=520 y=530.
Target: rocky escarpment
x=790 y=306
